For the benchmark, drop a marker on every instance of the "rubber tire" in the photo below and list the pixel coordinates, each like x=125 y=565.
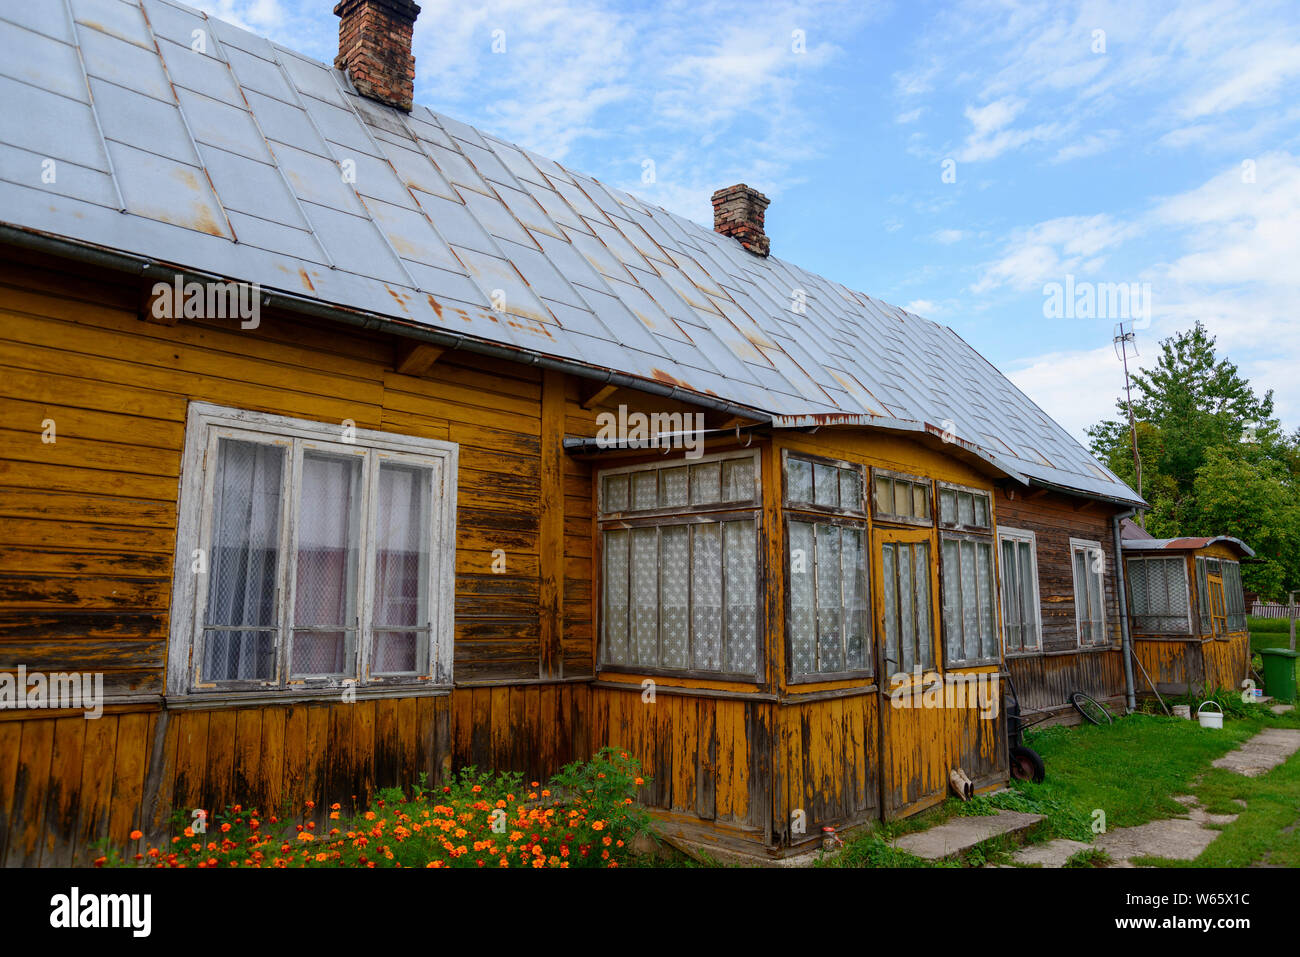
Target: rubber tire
x=1074 y=700
x=1026 y=765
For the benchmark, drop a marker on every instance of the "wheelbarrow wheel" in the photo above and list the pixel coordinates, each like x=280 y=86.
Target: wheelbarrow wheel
x=1090 y=709
x=1026 y=765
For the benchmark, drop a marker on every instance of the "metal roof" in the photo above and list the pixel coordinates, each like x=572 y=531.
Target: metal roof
x=231 y=160
x=1186 y=544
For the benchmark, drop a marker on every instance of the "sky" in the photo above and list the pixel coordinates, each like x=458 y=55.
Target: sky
x=1004 y=167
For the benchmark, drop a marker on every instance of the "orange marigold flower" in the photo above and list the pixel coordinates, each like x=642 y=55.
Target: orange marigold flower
x=597 y=825
x=640 y=780
x=136 y=835
x=225 y=828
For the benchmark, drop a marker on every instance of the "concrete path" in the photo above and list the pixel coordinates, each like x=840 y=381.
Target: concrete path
x=1262 y=753
x=960 y=834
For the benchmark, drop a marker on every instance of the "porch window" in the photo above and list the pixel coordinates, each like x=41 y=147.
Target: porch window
x=311 y=556
x=901 y=498
x=1234 y=597
x=679 y=566
x=964 y=508
x=1022 y=627
x=1089 y=563
x=1159 y=600
x=828 y=625
x=969 y=615
x=1203 y=597
x=907 y=611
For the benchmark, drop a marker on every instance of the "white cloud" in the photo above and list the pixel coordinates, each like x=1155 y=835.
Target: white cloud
x=949 y=236
x=1077 y=389
x=1049 y=250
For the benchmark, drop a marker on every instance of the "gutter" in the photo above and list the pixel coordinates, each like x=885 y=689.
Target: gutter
x=148 y=268
x=1126 y=638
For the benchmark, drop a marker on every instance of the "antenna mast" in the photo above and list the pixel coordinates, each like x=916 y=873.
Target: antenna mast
x=1124 y=339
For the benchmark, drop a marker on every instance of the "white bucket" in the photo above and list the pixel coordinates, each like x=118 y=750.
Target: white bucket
x=1210 y=719
x=1183 y=711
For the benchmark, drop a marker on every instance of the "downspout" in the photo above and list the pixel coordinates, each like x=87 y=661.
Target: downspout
x=1126 y=639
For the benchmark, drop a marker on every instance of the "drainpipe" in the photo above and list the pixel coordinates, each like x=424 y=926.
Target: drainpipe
x=1126 y=639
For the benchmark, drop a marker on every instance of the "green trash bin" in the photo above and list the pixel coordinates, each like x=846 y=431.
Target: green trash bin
x=1279 y=672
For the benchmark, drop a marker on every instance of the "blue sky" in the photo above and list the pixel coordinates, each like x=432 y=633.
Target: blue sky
x=1126 y=142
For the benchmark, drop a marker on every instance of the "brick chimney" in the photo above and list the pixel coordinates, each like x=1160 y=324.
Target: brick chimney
x=375 y=48
x=738 y=211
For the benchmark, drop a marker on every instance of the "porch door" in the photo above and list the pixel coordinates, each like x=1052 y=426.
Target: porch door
x=904 y=579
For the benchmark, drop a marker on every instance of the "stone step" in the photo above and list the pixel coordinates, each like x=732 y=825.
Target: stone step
x=1262 y=753
x=1051 y=854
x=960 y=834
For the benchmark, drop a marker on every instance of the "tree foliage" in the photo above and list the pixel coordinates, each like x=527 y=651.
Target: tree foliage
x=1215 y=460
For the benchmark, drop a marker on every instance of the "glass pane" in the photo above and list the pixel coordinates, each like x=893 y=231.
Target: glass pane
x=850 y=489
x=1029 y=601
x=674 y=595
x=902 y=499
x=969 y=602
x=706 y=597
x=645 y=489
x=826 y=485
x=924 y=610
x=982 y=511
x=988 y=617
x=965 y=508
x=402 y=566
x=884 y=495
x=1081 y=592
x=706 y=483
x=616 y=597
x=1098 y=614
x=672 y=487
x=952 y=619
x=829 y=600
x=803 y=632
x=921 y=500
x=615 y=499
x=244 y=562
x=738 y=480
x=889 y=588
x=857 y=646
x=906 y=614
x=645 y=596
x=798 y=477
x=947 y=506
x=741 y=555
x=326 y=564
x=1010 y=596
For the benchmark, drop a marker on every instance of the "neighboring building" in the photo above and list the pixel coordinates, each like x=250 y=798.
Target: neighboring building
x=370 y=518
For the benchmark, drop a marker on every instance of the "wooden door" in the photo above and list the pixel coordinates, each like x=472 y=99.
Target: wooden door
x=1218 y=610
x=905 y=586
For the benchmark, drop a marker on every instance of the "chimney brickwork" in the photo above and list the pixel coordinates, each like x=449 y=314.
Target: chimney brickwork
x=375 y=48
x=738 y=211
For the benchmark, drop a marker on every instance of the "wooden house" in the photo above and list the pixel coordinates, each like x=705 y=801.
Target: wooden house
x=1188 y=612
x=344 y=442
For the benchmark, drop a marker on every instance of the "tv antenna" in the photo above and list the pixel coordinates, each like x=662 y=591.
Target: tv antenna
x=1125 y=342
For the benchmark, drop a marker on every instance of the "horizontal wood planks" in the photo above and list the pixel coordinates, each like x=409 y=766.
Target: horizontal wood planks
x=1046 y=682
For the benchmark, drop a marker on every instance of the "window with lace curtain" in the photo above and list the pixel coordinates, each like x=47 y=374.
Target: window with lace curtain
x=311 y=555
x=679 y=566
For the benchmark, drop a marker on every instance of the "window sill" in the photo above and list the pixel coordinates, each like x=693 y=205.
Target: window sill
x=212 y=700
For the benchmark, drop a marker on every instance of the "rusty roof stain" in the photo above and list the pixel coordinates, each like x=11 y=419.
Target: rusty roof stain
x=531 y=255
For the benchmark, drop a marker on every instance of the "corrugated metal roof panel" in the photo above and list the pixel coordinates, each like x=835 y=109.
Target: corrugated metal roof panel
x=452 y=218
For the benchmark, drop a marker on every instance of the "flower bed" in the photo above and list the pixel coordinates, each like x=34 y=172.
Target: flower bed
x=583 y=817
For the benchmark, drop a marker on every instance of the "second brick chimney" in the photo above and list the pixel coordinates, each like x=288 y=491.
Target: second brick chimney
x=375 y=48
x=738 y=211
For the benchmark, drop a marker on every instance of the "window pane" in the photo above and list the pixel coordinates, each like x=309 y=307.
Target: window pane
x=826 y=485
x=988 y=625
x=244 y=562
x=921 y=500
x=856 y=619
x=615 y=499
x=798 y=475
x=884 y=495
x=741 y=554
x=952 y=619
x=889 y=587
x=850 y=489
x=645 y=595
x=802 y=626
x=829 y=599
x=674 y=595
x=673 y=487
x=1011 y=598
x=969 y=604
x=616 y=597
x=924 y=611
x=906 y=614
x=902 y=499
x=947 y=506
x=982 y=511
x=326 y=565
x=402 y=569
x=706 y=483
x=645 y=489
x=738 y=480
x=706 y=593
x=1029 y=599
x=1095 y=599
x=965 y=508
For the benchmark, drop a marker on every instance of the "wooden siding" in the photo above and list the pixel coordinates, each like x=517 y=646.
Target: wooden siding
x=1045 y=682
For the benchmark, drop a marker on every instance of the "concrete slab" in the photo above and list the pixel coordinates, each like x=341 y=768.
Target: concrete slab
x=1051 y=854
x=960 y=834
x=1262 y=753
x=1281 y=708
x=1180 y=839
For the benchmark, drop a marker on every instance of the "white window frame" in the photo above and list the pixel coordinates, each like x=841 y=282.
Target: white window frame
x=205 y=425
x=1024 y=536
x=1085 y=545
